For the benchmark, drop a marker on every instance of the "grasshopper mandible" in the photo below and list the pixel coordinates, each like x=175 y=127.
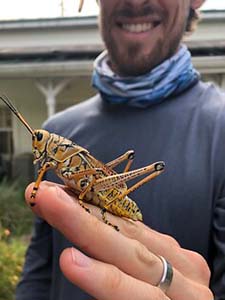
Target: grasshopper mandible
x=89 y=178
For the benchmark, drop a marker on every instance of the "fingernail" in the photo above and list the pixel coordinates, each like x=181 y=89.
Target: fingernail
x=79 y=258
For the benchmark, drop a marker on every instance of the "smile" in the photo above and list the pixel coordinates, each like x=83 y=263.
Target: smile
x=137 y=28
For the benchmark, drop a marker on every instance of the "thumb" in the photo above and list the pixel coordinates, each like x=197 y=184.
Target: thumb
x=104 y=281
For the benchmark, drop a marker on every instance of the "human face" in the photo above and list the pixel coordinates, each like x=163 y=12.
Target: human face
x=140 y=34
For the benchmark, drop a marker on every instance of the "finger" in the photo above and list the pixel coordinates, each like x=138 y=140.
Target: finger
x=189 y=263
x=97 y=239
x=94 y=237
x=104 y=281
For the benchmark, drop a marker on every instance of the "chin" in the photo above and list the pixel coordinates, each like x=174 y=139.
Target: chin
x=137 y=67
x=135 y=60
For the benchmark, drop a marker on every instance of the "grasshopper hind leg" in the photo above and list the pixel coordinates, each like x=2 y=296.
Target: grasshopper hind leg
x=103 y=212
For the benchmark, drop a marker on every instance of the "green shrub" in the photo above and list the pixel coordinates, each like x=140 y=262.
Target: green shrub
x=14 y=214
x=11 y=262
x=15 y=227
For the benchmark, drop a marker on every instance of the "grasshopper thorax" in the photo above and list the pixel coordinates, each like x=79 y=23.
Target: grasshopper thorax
x=40 y=138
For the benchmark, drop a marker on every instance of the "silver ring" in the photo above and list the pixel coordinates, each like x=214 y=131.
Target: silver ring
x=167 y=275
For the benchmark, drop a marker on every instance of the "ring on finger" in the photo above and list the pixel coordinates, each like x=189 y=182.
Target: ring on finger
x=167 y=275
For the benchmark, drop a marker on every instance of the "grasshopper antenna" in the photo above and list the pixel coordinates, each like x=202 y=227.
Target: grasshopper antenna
x=6 y=100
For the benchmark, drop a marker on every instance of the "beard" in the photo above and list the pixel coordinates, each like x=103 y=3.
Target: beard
x=131 y=62
x=137 y=58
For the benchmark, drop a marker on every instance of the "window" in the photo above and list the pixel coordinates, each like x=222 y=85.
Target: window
x=6 y=141
x=6 y=144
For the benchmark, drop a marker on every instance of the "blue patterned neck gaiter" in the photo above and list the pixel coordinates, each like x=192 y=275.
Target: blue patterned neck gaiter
x=170 y=78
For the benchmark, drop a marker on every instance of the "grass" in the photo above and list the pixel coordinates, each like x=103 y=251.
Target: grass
x=11 y=262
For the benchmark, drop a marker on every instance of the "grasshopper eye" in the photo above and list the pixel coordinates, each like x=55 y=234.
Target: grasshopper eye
x=39 y=136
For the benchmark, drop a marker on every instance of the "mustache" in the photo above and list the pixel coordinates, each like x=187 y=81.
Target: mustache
x=130 y=11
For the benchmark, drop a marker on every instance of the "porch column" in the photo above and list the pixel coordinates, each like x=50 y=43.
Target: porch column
x=50 y=91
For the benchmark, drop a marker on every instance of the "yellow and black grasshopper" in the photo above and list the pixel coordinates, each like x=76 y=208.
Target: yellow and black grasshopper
x=89 y=178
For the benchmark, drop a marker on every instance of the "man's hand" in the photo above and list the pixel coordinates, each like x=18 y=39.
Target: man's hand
x=122 y=265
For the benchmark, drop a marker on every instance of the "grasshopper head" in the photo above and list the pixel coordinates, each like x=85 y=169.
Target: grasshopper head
x=40 y=138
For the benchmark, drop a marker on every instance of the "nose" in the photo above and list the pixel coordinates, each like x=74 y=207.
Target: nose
x=141 y=7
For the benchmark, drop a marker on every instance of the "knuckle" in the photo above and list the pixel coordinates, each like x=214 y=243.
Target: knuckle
x=209 y=294
x=144 y=255
x=201 y=266
x=113 y=280
x=170 y=241
x=130 y=228
x=206 y=293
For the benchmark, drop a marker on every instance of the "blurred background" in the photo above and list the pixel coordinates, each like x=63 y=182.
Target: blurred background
x=47 y=51
x=27 y=9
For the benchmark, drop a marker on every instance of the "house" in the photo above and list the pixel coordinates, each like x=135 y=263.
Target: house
x=46 y=65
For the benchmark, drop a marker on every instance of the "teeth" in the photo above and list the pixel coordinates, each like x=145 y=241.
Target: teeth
x=137 y=27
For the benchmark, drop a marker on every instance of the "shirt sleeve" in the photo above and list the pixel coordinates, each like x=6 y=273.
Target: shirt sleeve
x=218 y=251
x=36 y=277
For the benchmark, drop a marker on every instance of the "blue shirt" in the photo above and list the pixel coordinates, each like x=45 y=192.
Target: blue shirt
x=187 y=201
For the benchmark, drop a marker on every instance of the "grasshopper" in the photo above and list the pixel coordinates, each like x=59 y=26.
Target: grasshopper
x=90 y=179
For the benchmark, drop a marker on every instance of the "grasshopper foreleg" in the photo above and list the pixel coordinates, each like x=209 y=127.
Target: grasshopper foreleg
x=41 y=172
